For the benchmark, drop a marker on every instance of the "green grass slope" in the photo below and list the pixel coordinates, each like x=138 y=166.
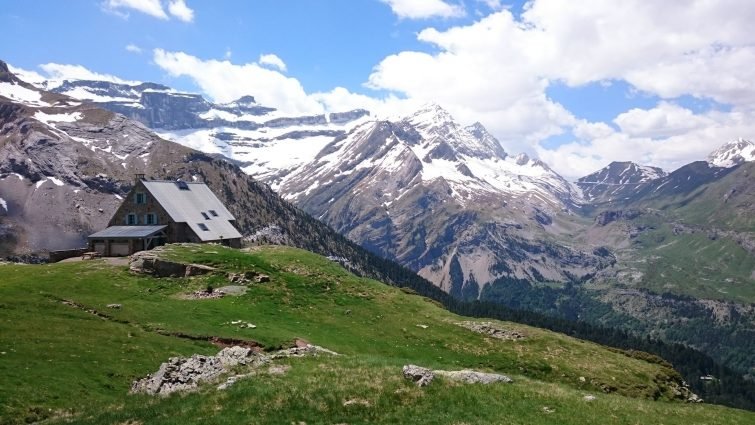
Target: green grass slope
x=66 y=357
x=693 y=262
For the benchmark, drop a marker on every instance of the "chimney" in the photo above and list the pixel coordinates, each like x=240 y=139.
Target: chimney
x=138 y=178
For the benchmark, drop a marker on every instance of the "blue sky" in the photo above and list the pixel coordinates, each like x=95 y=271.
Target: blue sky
x=577 y=83
x=323 y=43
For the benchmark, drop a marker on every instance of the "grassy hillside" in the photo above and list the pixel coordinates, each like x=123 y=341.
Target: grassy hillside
x=691 y=261
x=69 y=358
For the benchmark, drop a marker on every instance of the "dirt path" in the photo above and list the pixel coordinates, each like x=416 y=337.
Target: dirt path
x=113 y=261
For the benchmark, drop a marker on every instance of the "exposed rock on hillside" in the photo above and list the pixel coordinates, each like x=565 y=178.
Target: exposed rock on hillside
x=423 y=376
x=180 y=374
x=149 y=262
x=490 y=329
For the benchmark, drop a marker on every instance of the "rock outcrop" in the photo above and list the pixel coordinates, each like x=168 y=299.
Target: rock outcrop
x=149 y=262
x=187 y=373
x=472 y=377
x=423 y=376
x=492 y=330
x=420 y=375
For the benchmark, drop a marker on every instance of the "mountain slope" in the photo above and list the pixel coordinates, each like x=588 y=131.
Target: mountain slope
x=305 y=300
x=448 y=201
x=513 y=204
x=685 y=260
x=65 y=165
x=445 y=200
x=617 y=181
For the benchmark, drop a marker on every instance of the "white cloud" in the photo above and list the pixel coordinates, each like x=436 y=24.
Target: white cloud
x=178 y=9
x=31 y=77
x=657 y=136
x=273 y=61
x=56 y=71
x=423 y=9
x=155 y=8
x=149 y=7
x=482 y=72
x=665 y=120
x=499 y=69
x=224 y=81
x=391 y=107
x=707 y=42
x=133 y=48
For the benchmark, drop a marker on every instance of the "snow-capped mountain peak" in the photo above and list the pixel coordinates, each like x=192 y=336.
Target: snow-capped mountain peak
x=621 y=173
x=444 y=138
x=618 y=180
x=733 y=153
x=430 y=148
x=430 y=114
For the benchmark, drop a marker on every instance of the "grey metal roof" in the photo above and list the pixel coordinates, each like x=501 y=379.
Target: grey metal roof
x=127 y=232
x=187 y=206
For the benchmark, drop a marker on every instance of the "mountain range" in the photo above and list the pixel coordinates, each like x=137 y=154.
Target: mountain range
x=65 y=166
x=670 y=254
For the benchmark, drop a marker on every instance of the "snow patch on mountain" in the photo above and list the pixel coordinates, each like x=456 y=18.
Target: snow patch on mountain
x=618 y=180
x=469 y=160
x=50 y=118
x=84 y=93
x=21 y=94
x=733 y=153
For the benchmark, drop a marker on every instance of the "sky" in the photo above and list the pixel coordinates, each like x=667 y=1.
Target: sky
x=577 y=83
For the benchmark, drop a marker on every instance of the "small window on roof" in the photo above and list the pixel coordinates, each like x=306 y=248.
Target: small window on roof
x=213 y=213
x=203 y=227
x=182 y=185
x=206 y=217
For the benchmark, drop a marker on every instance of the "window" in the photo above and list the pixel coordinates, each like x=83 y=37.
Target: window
x=213 y=213
x=141 y=198
x=150 y=218
x=131 y=219
x=203 y=227
x=182 y=185
x=206 y=217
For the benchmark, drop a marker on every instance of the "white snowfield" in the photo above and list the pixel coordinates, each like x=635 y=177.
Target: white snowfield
x=50 y=118
x=83 y=94
x=268 y=151
x=4 y=204
x=21 y=94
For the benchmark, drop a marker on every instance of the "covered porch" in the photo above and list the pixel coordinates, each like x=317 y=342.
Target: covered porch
x=116 y=241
